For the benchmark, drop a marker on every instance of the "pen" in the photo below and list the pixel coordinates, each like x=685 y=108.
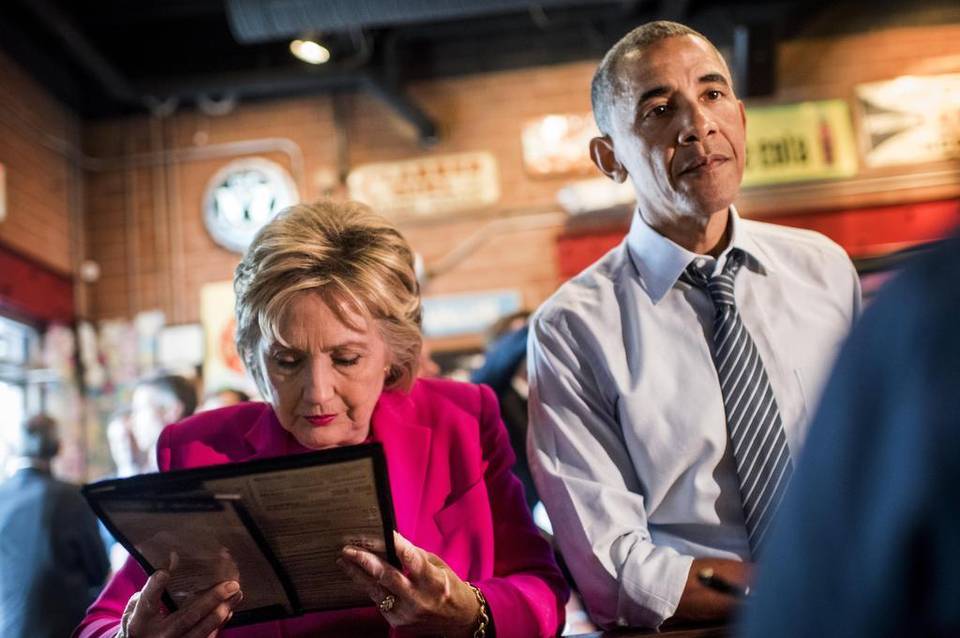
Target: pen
x=710 y=579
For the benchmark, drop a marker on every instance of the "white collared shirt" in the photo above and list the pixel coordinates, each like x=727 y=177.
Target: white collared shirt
x=628 y=440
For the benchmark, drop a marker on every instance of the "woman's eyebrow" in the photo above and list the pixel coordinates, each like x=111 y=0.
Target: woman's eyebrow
x=348 y=344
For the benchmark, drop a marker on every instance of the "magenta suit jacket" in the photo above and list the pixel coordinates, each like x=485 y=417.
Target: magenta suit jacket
x=448 y=458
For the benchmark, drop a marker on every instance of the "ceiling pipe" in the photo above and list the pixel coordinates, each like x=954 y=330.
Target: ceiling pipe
x=427 y=132
x=84 y=52
x=149 y=94
x=253 y=21
x=250 y=83
x=266 y=83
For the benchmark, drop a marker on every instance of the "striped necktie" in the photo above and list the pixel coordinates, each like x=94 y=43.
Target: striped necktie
x=753 y=419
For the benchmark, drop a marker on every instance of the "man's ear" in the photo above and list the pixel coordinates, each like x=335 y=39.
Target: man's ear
x=601 y=152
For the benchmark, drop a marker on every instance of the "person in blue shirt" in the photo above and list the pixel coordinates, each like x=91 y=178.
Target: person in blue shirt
x=52 y=560
x=868 y=542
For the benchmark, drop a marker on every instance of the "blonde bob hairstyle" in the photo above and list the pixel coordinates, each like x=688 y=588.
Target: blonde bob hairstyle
x=350 y=256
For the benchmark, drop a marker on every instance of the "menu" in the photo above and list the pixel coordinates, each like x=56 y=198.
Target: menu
x=274 y=525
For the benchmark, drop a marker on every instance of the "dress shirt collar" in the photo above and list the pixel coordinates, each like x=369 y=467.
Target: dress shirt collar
x=659 y=261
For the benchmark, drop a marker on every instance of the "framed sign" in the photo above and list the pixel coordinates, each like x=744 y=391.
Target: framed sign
x=799 y=142
x=910 y=120
x=243 y=196
x=429 y=186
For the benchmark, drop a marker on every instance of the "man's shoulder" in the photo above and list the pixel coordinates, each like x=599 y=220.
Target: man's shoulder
x=41 y=486
x=788 y=243
x=588 y=293
x=212 y=424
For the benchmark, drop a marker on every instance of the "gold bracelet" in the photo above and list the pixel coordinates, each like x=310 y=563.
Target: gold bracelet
x=483 y=618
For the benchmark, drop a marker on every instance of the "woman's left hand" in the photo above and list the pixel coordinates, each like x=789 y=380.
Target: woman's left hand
x=427 y=597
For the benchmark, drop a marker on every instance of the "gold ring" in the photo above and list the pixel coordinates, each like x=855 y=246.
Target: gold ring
x=387 y=603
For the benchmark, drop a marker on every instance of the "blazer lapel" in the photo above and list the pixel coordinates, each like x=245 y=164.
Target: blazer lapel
x=406 y=445
x=266 y=437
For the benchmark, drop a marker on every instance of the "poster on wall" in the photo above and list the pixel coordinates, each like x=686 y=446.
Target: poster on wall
x=222 y=367
x=910 y=120
x=426 y=187
x=799 y=142
x=180 y=347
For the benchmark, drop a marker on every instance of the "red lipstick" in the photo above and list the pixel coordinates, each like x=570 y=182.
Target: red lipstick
x=320 y=420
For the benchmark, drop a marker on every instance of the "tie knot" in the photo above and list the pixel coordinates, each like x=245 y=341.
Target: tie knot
x=719 y=286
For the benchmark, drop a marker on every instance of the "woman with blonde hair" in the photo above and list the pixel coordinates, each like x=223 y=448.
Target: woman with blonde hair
x=328 y=324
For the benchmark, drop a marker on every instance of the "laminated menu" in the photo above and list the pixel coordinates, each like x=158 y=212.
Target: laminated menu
x=276 y=526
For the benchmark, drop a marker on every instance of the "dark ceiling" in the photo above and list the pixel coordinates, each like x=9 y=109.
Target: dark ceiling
x=111 y=57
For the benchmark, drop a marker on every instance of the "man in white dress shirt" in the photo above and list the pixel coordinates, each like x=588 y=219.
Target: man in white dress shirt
x=644 y=480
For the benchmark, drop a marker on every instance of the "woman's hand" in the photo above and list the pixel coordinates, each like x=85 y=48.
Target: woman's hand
x=428 y=598
x=146 y=617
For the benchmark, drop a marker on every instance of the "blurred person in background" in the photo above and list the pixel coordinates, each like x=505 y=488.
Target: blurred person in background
x=128 y=461
x=157 y=402
x=122 y=443
x=504 y=369
x=52 y=560
x=328 y=324
x=222 y=398
x=869 y=540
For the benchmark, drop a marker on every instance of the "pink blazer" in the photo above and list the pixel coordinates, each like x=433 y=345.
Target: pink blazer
x=448 y=458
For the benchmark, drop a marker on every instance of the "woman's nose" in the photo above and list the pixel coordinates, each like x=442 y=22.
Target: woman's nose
x=319 y=383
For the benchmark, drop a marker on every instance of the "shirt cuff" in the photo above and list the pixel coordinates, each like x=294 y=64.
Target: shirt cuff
x=650 y=590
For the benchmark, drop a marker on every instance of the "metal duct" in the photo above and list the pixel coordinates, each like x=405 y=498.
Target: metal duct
x=254 y=21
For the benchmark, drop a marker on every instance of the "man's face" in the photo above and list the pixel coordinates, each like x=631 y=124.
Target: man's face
x=678 y=130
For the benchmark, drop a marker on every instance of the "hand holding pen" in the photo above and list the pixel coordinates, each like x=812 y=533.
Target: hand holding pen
x=709 y=578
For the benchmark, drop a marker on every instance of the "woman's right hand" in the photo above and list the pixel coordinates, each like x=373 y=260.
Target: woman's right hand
x=146 y=617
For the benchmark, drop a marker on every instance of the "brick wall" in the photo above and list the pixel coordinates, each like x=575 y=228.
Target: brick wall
x=144 y=225
x=35 y=131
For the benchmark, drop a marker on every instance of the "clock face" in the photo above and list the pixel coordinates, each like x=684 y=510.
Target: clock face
x=242 y=197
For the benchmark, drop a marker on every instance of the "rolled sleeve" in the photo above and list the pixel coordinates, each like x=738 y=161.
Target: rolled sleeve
x=593 y=496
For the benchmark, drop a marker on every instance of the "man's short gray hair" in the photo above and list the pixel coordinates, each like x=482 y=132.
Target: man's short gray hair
x=607 y=83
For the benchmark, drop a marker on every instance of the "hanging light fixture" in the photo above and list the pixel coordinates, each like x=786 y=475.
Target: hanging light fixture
x=310 y=51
